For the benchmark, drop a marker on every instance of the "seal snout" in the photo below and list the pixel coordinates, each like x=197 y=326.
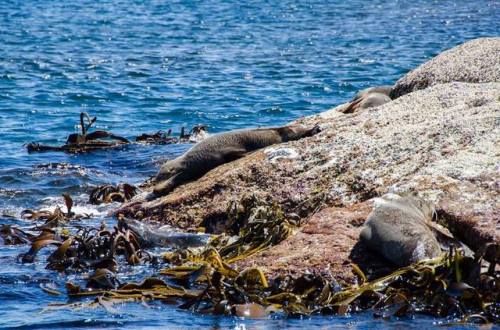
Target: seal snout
x=315 y=130
x=160 y=189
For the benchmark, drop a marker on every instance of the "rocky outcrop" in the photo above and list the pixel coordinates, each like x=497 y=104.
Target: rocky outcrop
x=475 y=61
x=442 y=142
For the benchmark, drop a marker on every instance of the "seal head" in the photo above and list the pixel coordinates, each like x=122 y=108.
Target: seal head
x=368 y=98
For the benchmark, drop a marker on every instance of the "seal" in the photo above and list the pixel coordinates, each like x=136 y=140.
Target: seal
x=368 y=98
x=222 y=148
x=398 y=228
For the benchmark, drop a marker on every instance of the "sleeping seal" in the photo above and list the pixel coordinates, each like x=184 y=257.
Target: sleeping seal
x=368 y=98
x=219 y=149
x=398 y=229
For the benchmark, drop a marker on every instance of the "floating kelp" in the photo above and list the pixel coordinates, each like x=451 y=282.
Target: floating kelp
x=160 y=137
x=46 y=237
x=54 y=218
x=197 y=133
x=83 y=142
x=88 y=248
x=10 y=235
x=453 y=285
x=441 y=287
x=121 y=193
x=149 y=289
x=100 y=139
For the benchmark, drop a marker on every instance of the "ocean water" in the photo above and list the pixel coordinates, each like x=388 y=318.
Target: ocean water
x=142 y=66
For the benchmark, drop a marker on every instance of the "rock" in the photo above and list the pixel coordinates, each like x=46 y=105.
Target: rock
x=327 y=244
x=276 y=154
x=442 y=142
x=475 y=61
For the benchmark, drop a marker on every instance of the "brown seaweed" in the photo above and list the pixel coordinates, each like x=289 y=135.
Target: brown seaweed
x=455 y=286
x=83 y=142
x=162 y=137
x=54 y=218
x=10 y=235
x=88 y=248
x=121 y=193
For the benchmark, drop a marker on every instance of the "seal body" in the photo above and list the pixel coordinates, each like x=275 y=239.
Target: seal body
x=398 y=229
x=219 y=149
x=368 y=98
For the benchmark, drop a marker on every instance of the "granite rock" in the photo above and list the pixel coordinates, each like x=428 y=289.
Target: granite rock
x=476 y=61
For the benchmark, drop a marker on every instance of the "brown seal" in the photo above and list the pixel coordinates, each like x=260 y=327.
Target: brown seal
x=368 y=98
x=398 y=228
x=222 y=148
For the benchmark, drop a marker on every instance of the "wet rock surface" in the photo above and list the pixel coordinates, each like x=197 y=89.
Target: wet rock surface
x=442 y=142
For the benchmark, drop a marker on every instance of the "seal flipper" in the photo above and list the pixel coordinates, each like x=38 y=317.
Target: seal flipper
x=170 y=184
x=352 y=106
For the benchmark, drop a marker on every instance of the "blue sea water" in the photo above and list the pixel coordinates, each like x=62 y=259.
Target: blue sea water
x=142 y=66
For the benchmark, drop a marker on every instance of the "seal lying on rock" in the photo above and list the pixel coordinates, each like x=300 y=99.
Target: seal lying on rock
x=398 y=229
x=222 y=148
x=368 y=98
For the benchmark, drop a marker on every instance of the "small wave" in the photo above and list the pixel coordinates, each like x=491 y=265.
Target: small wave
x=273 y=110
x=80 y=207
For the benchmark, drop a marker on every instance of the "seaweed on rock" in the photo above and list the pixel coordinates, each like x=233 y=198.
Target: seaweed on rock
x=452 y=285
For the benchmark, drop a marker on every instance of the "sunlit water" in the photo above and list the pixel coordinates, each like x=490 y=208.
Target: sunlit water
x=141 y=66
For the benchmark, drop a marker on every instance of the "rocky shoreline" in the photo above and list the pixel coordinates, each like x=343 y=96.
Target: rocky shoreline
x=439 y=137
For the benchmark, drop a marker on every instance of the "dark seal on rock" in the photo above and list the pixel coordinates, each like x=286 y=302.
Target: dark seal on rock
x=368 y=98
x=222 y=148
x=398 y=229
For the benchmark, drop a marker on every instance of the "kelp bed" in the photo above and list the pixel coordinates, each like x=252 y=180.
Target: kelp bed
x=101 y=139
x=461 y=288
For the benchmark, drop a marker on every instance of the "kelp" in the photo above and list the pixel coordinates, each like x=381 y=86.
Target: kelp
x=84 y=142
x=47 y=237
x=11 y=235
x=441 y=287
x=149 y=289
x=101 y=139
x=257 y=224
x=54 y=218
x=88 y=248
x=252 y=226
x=196 y=134
x=455 y=286
x=121 y=193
